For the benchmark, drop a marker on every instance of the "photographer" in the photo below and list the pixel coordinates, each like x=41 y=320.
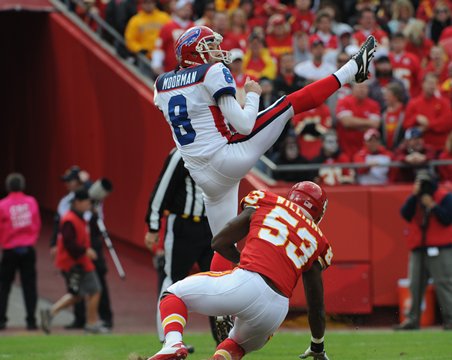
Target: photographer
x=428 y=212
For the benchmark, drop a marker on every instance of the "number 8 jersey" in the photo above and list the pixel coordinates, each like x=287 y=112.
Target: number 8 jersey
x=282 y=242
x=188 y=99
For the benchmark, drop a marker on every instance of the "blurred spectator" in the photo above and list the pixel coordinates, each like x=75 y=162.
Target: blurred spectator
x=226 y=5
x=383 y=77
x=429 y=236
x=368 y=26
x=238 y=27
x=267 y=96
x=74 y=258
x=337 y=27
x=143 y=28
x=375 y=156
x=394 y=115
x=164 y=57
x=117 y=15
x=417 y=43
x=341 y=59
x=221 y=26
x=402 y=14
x=445 y=41
x=287 y=81
x=302 y=16
x=355 y=114
x=445 y=171
x=310 y=126
x=258 y=61
x=279 y=38
x=315 y=68
x=20 y=225
x=414 y=152
x=323 y=30
x=208 y=14
x=289 y=154
x=405 y=66
x=425 y=9
x=301 y=47
x=440 y=20
x=430 y=113
x=331 y=154
x=236 y=68
x=437 y=64
x=446 y=86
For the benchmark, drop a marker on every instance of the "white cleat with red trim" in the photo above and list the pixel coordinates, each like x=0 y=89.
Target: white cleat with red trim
x=177 y=351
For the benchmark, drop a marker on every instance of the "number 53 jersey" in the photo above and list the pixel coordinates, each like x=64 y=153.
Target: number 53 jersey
x=188 y=99
x=282 y=242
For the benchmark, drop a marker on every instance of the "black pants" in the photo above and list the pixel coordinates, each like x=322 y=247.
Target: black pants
x=24 y=260
x=104 y=309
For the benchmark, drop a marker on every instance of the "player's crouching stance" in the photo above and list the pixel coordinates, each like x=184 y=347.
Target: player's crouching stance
x=283 y=242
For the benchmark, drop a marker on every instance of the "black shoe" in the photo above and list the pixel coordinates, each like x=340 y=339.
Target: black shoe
x=74 y=326
x=32 y=326
x=190 y=348
x=363 y=58
x=406 y=325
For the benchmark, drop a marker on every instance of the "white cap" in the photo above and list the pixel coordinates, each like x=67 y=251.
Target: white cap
x=181 y=3
x=236 y=54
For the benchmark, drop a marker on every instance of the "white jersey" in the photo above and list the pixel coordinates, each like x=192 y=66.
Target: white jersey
x=188 y=99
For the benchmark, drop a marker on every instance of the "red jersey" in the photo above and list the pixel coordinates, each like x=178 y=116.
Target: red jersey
x=392 y=126
x=442 y=74
x=169 y=33
x=406 y=68
x=351 y=140
x=422 y=52
x=361 y=35
x=332 y=176
x=302 y=21
x=278 y=45
x=282 y=242
x=308 y=143
x=438 y=112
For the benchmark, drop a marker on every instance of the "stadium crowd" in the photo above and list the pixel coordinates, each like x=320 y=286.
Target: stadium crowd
x=403 y=113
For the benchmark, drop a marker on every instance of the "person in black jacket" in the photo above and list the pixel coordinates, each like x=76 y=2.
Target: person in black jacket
x=187 y=238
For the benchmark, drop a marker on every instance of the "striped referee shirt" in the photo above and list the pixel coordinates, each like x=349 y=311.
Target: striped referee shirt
x=176 y=192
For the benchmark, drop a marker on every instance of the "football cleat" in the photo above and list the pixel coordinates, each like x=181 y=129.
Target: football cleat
x=363 y=58
x=46 y=320
x=223 y=325
x=177 y=351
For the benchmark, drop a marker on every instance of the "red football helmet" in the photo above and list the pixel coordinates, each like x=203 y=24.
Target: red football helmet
x=311 y=197
x=192 y=47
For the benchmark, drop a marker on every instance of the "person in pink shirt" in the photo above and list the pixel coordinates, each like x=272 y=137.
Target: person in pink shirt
x=20 y=224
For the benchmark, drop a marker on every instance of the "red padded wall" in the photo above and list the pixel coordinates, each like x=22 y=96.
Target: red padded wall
x=68 y=102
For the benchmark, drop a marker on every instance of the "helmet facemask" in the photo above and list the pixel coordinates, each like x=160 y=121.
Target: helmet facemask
x=217 y=54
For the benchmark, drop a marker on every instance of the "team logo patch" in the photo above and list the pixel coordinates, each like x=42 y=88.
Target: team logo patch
x=188 y=39
x=307 y=204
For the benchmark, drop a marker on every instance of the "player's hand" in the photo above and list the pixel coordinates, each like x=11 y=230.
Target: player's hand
x=316 y=356
x=91 y=253
x=150 y=239
x=252 y=86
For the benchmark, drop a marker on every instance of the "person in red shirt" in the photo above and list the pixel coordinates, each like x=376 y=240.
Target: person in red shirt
x=281 y=233
x=417 y=43
x=405 y=65
x=375 y=156
x=238 y=27
x=279 y=39
x=355 y=114
x=323 y=30
x=368 y=26
x=221 y=26
x=394 y=116
x=445 y=171
x=430 y=113
x=258 y=61
x=20 y=225
x=74 y=258
x=309 y=127
x=302 y=16
x=437 y=64
x=163 y=57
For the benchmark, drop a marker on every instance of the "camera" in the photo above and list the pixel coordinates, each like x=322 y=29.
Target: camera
x=428 y=183
x=100 y=189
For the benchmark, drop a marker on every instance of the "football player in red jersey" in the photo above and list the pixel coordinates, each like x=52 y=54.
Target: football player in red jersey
x=281 y=233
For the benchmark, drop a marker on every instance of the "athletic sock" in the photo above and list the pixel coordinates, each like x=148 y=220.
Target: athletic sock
x=229 y=349
x=174 y=318
x=346 y=73
x=314 y=94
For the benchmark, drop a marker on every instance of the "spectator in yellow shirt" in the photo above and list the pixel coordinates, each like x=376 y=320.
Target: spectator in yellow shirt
x=143 y=28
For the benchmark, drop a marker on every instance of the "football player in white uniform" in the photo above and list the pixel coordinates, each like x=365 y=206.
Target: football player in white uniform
x=219 y=141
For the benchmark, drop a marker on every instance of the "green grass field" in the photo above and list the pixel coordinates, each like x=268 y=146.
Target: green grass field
x=349 y=345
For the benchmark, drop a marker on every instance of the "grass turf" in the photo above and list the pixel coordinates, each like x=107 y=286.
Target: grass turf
x=349 y=345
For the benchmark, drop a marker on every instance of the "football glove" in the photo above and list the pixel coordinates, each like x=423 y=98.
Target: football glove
x=316 y=356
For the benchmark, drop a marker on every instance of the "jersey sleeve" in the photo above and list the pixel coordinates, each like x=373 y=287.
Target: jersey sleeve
x=219 y=81
x=253 y=199
x=326 y=256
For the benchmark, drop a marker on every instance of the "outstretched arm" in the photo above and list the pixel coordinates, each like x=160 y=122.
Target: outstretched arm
x=234 y=231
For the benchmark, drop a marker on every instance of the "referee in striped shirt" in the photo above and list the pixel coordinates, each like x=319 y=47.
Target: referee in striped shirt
x=187 y=237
